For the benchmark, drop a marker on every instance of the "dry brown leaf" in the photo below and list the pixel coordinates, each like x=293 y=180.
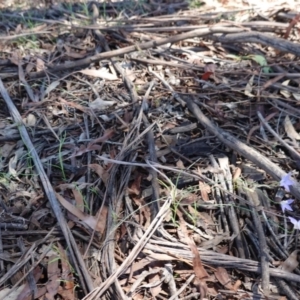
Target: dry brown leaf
x=223 y=277
x=237 y=174
x=30 y=120
x=237 y=285
x=91 y=221
x=291 y=263
x=26 y=291
x=53 y=280
x=29 y=67
x=290 y=129
x=180 y=165
x=135 y=187
x=199 y=270
x=102 y=73
x=155 y=290
x=66 y=290
x=100 y=171
x=99 y=104
x=78 y=199
x=107 y=135
x=204 y=190
x=40 y=65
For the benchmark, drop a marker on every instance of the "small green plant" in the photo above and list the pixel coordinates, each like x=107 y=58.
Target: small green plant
x=58 y=256
x=195 y=3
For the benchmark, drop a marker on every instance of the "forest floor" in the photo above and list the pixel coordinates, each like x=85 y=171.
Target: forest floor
x=149 y=150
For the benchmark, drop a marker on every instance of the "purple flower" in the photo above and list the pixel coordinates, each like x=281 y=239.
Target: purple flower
x=286 y=181
x=285 y=205
x=295 y=222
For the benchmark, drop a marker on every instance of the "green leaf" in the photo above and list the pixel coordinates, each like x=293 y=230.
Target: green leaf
x=261 y=61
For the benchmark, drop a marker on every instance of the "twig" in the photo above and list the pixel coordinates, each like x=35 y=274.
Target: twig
x=154 y=207
x=264 y=39
x=253 y=197
x=183 y=287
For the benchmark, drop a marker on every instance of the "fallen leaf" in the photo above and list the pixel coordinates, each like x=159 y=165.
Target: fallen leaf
x=26 y=291
x=101 y=73
x=99 y=104
x=248 y=89
x=206 y=75
x=78 y=199
x=223 y=277
x=156 y=289
x=291 y=263
x=100 y=171
x=67 y=289
x=30 y=120
x=91 y=221
x=135 y=187
x=199 y=270
x=261 y=61
x=290 y=129
x=53 y=282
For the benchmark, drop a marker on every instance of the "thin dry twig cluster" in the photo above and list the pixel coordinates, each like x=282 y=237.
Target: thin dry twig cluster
x=150 y=150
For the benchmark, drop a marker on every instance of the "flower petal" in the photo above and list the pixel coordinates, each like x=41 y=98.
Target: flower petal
x=295 y=222
x=285 y=205
x=286 y=181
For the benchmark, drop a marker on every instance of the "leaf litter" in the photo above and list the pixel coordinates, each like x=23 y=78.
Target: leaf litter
x=149 y=151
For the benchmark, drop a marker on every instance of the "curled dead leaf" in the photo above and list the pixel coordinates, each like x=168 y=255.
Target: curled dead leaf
x=291 y=263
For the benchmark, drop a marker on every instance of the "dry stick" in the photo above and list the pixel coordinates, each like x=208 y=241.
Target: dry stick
x=183 y=287
x=1 y=253
x=286 y=289
x=230 y=141
x=154 y=207
x=233 y=220
x=218 y=196
x=169 y=280
x=212 y=258
x=278 y=138
x=30 y=277
x=265 y=282
x=281 y=249
x=147 y=45
x=264 y=39
x=17 y=36
x=48 y=189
